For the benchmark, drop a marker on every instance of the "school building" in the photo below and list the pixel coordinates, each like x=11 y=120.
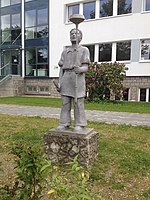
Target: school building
x=33 y=34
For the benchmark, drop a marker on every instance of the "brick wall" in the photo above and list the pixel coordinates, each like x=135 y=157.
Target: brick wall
x=134 y=84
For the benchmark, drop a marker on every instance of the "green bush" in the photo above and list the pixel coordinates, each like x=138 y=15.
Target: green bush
x=34 y=174
x=105 y=78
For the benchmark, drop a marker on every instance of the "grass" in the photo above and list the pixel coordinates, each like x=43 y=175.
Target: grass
x=122 y=170
x=117 y=106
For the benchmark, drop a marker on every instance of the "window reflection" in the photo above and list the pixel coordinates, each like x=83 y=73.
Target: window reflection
x=6 y=36
x=16 y=34
x=89 y=10
x=105 y=51
x=42 y=31
x=5 y=22
x=106 y=8
x=30 y=18
x=30 y=33
x=42 y=55
x=15 y=21
x=42 y=17
x=145 y=49
x=37 y=61
x=123 y=50
x=5 y=3
x=124 y=7
x=74 y=9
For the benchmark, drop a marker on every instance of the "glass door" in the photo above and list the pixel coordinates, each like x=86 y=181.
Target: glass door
x=10 y=62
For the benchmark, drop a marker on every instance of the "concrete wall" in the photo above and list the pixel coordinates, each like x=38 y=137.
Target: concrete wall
x=39 y=86
x=12 y=86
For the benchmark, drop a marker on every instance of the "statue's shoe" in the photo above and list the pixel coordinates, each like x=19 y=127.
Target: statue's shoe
x=62 y=127
x=78 y=128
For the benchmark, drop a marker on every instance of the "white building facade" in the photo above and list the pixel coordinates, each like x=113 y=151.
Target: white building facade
x=113 y=30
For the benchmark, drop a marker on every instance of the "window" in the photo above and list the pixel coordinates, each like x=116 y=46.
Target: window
x=89 y=10
x=16 y=21
x=73 y=9
x=124 y=6
x=145 y=49
x=105 y=51
x=143 y=94
x=11 y=25
x=106 y=8
x=36 y=61
x=42 y=55
x=30 y=18
x=92 y=52
x=5 y=22
x=36 y=19
x=5 y=3
x=42 y=16
x=126 y=94
x=123 y=50
x=146 y=5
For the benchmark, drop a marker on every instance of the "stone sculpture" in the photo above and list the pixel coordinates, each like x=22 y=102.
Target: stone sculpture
x=73 y=66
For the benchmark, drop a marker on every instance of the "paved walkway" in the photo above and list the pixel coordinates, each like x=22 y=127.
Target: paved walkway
x=134 y=119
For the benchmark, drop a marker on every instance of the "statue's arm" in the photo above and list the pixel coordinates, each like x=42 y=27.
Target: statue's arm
x=85 y=60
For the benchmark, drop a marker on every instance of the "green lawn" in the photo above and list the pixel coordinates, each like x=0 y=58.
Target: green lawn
x=122 y=170
x=133 y=107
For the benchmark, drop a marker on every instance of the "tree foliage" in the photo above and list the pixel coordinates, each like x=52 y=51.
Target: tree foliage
x=105 y=78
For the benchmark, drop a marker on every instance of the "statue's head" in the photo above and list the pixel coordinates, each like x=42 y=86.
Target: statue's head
x=73 y=35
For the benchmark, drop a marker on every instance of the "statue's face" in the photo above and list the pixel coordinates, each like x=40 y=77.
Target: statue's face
x=73 y=36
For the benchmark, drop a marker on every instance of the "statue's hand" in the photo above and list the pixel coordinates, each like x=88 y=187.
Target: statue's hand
x=77 y=69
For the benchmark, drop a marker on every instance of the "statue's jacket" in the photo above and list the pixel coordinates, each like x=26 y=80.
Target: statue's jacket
x=67 y=77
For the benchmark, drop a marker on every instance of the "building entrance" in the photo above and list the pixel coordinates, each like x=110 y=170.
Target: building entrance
x=10 y=62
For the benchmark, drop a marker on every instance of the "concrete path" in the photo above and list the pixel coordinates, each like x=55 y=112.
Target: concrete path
x=133 y=119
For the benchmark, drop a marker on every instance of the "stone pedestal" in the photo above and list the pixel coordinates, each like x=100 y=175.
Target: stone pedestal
x=63 y=146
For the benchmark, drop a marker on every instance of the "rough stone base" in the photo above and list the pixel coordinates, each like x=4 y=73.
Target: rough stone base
x=63 y=146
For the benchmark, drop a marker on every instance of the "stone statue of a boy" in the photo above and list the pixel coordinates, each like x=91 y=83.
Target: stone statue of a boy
x=74 y=62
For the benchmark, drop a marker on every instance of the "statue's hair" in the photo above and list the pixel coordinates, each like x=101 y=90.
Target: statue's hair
x=78 y=31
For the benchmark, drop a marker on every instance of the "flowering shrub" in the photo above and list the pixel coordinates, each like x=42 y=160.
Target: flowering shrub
x=105 y=78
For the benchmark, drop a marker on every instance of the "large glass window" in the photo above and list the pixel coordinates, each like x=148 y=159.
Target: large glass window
x=11 y=23
x=124 y=6
x=73 y=9
x=36 y=19
x=145 y=49
x=106 y=8
x=105 y=51
x=37 y=61
x=36 y=34
x=123 y=50
x=89 y=10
